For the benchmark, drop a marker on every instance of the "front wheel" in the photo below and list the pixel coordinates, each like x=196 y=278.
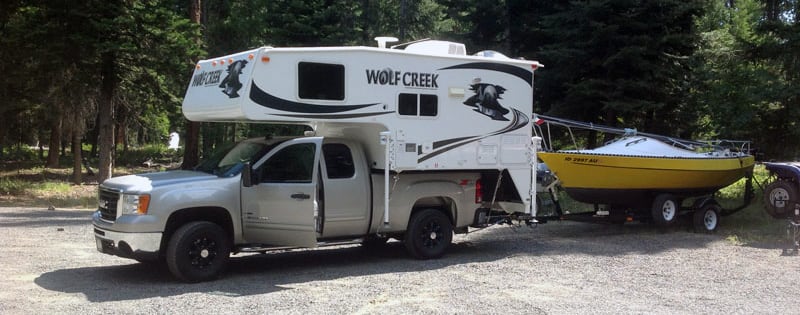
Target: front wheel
x=198 y=251
x=665 y=210
x=429 y=234
x=706 y=219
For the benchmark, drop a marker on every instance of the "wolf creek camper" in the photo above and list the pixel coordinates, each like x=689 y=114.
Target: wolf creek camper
x=413 y=144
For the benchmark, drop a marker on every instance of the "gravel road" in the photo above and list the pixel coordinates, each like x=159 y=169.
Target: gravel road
x=48 y=264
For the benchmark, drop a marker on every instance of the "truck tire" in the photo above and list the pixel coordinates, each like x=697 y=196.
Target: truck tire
x=779 y=198
x=429 y=234
x=198 y=251
x=665 y=210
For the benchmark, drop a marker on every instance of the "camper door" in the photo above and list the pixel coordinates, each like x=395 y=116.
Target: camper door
x=280 y=208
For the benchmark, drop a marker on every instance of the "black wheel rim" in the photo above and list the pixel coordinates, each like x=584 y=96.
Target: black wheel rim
x=202 y=252
x=431 y=234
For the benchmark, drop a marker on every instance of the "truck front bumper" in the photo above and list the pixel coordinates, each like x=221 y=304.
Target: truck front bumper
x=139 y=246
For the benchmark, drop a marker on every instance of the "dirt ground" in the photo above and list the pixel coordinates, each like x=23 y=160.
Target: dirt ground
x=49 y=264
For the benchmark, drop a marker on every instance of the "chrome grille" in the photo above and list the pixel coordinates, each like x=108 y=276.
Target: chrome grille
x=107 y=203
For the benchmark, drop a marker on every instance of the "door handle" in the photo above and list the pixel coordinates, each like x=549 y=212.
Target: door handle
x=300 y=196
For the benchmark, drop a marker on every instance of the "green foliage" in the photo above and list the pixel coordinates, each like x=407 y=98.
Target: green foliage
x=19 y=153
x=11 y=186
x=694 y=69
x=621 y=62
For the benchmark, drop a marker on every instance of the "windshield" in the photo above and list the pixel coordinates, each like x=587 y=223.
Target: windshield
x=229 y=160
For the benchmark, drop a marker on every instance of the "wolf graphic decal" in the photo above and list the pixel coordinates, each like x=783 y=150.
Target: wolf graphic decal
x=230 y=84
x=486 y=99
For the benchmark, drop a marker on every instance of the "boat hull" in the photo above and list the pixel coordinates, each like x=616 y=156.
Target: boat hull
x=636 y=180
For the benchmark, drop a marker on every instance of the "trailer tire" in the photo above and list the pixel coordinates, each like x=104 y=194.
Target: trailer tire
x=779 y=198
x=429 y=234
x=706 y=219
x=198 y=251
x=665 y=210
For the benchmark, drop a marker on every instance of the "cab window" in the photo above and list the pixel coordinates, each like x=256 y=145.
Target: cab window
x=338 y=161
x=292 y=164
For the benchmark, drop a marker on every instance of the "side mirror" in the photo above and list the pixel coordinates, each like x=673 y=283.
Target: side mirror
x=247 y=175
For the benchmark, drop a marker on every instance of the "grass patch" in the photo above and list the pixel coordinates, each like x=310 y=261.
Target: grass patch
x=36 y=186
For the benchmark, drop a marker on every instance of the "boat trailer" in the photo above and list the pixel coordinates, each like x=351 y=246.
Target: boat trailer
x=666 y=208
x=782 y=199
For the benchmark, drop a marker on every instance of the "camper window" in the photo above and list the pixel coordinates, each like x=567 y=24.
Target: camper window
x=320 y=81
x=407 y=104
x=417 y=104
x=428 y=105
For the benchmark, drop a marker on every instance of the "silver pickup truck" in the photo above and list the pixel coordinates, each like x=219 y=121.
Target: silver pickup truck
x=270 y=193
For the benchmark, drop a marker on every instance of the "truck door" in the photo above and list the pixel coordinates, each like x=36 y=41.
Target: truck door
x=281 y=206
x=346 y=195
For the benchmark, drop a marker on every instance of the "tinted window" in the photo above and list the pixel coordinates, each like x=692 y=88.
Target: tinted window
x=320 y=81
x=417 y=104
x=338 y=160
x=427 y=105
x=407 y=104
x=292 y=164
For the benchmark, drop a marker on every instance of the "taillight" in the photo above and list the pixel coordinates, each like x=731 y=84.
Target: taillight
x=478 y=191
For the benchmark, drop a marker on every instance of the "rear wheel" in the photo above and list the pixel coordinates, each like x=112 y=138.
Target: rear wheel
x=429 y=234
x=665 y=210
x=198 y=251
x=779 y=198
x=706 y=219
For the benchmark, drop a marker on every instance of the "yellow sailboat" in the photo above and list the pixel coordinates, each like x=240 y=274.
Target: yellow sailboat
x=632 y=170
x=648 y=176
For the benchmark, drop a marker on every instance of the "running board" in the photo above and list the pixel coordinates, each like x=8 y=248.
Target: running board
x=256 y=248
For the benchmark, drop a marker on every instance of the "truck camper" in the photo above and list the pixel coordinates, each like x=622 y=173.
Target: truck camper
x=413 y=144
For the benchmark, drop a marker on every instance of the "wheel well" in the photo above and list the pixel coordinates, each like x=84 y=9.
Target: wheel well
x=444 y=204
x=217 y=215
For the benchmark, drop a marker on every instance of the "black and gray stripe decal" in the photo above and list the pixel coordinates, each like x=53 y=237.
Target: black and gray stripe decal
x=265 y=99
x=520 y=120
x=335 y=116
x=512 y=70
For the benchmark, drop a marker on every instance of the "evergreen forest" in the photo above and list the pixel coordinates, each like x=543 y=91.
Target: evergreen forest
x=91 y=80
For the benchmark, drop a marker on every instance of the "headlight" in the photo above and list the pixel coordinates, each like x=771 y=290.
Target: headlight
x=135 y=204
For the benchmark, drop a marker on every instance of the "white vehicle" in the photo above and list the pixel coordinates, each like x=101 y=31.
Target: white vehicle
x=412 y=144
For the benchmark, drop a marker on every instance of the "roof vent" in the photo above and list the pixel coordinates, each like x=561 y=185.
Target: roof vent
x=382 y=40
x=438 y=47
x=491 y=54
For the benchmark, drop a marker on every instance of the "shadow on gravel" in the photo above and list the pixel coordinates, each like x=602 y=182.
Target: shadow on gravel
x=250 y=274
x=272 y=272
x=45 y=218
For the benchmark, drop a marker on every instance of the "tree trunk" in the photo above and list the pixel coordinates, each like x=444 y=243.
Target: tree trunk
x=191 y=156
x=105 y=112
x=77 y=156
x=55 y=144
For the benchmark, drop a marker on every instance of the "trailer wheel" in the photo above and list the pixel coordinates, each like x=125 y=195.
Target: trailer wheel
x=706 y=219
x=665 y=210
x=429 y=234
x=198 y=251
x=779 y=197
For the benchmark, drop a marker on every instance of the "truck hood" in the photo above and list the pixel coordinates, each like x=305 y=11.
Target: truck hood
x=146 y=182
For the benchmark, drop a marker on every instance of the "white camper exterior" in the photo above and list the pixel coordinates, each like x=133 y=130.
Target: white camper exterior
x=440 y=108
